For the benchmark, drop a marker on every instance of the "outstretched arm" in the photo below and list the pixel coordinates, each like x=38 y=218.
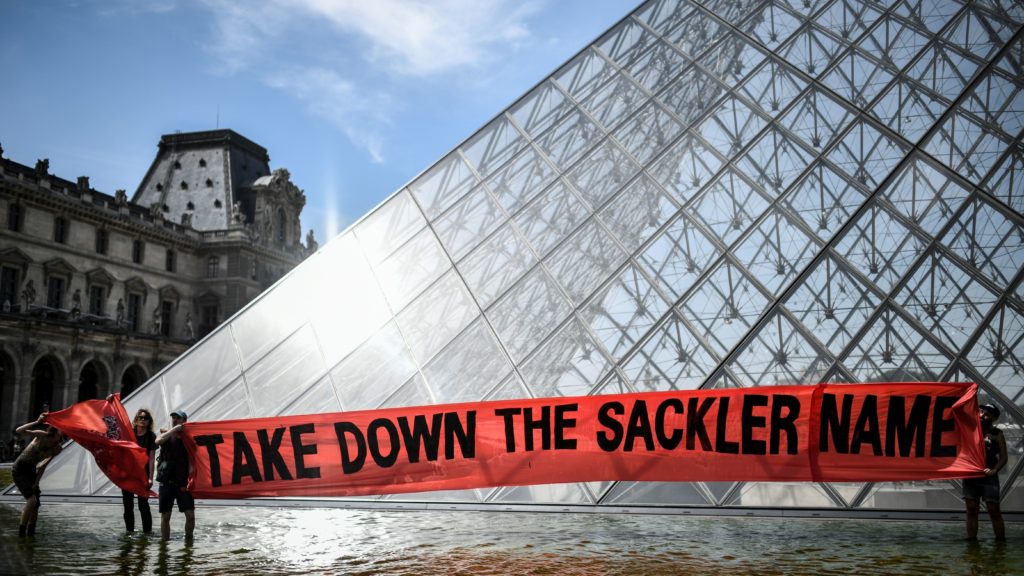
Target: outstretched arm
x=27 y=428
x=166 y=435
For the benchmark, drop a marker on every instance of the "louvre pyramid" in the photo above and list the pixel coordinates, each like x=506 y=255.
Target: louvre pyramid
x=713 y=194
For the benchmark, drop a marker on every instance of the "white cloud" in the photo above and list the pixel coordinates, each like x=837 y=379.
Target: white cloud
x=306 y=48
x=424 y=37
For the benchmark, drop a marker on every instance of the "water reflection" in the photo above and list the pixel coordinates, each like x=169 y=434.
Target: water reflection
x=89 y=539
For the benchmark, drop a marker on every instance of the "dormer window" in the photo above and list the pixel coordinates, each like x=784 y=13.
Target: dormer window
x=165 y=208
x=184 y=185
x=177 y=165
x=202 y=163
x=217 y=204
x=209 y=183
x=159 y=187
x=190 y=206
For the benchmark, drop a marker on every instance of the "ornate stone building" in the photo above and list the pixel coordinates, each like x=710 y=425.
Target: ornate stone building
x=99 y=292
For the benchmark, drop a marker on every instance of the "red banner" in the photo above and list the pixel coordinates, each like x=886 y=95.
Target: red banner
x=835 y=433
x=103 y=428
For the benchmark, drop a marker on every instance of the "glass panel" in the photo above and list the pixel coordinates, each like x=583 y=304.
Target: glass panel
x=832 y=304
x=892 y=350
x=195 y=377
x=937 y=495
x=494 y=145
x=582 y=76
x=436 y=316
x=772 y=87
x=407 y=272
x=602 y=173
x=345 y=301
x=987 y=239
x=471 y=219
x=966 y=146
x=551 y=217
x=569 y=364
x=614 y=101
x=979 y=32
x=570 y=139
x=998 y=354
x=470 y=366
x=779 y=354
x=926 y=195
x=686 y=167
x=647 y=133
x=623 y=310
x=724 y=307
x=671 y=359
x=782 y=495
x=443 y=184
x=496 y=265
x=824 y=200
x=775 y=251
x=1006 y=181
x=772 y=24
x=728 y=206
x=389 y=226
x=866 y=154
x=297 y=359
x=655 y=493
x=730 y=126
x=880 y=247
x=817 y=119
x=775 y=161
x=540 y=109
x=528 y=313
x=516 y=183
x=232 y=403
x=678 y=256
x=811 y=50
x=374 y=371
x=637 y=212
x=656 y=67
x=319 y=399
x=584 y=261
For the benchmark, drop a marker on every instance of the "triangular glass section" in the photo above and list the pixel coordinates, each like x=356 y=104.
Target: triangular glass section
x=714 y=194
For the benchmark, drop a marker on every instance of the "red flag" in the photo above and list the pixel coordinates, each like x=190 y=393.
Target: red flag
x=103 y=428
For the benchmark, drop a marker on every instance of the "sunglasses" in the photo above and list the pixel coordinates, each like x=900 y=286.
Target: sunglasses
x=143 y=417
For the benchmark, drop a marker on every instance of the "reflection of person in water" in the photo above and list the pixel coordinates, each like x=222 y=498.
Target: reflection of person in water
x=29 y=466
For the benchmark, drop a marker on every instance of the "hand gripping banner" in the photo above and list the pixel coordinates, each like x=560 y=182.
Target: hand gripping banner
x=835 y=433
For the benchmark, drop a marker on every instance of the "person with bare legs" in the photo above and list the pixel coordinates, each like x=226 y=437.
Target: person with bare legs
x=987 y=487
x=172 y=473
x=29 y=466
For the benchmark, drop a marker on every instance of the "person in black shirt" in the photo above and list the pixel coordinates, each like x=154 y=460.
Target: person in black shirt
x=144 y=436
x=172 y=473
x=987 y=487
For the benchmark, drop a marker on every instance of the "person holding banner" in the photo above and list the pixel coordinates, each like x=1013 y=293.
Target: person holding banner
x=172 y=473
x=987 y=487
x=29 y=466
x=144 y=436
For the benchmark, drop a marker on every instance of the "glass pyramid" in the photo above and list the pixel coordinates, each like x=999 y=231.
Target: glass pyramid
x=713 y=194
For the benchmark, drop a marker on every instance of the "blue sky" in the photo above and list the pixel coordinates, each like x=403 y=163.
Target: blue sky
x=354 y=97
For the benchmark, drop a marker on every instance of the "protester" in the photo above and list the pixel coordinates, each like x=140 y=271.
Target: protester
x=144 y=436
x=172 y=473
x=987 y=487
x=29 y=466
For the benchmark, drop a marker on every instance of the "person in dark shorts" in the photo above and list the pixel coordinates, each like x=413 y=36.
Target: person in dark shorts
x=172 y=473
x=144 y=436
x=29 y=466
x=987 y=487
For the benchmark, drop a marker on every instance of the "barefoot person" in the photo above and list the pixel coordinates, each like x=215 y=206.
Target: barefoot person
x=144 y=436
x=987 y=487
x=29 y=466
x=172 y=474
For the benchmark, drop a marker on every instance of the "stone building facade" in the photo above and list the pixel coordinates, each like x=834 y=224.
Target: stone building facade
x=99 y=291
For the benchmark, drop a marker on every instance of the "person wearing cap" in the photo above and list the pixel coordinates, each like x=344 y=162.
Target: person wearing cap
x=172 y=473
x=987 y=487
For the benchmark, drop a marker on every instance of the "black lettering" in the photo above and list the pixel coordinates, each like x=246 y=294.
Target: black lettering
x=867 y=429
x=300 y=450
x=639 y=425
x=942 y=424
x=211 y=441
x=610 y=442
x=245 y=461
x=561 y=423
x=373 y=444
x=421 y=434
x=669 y=442
x=543 y=424
x=909 y=432
x=749 y=422
x=787 y=422
x=270 y=449
x=510 y=426
x=838 y=425
x=722 y=445
x=349 y=464
x=695 y=423
x=466 y=437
